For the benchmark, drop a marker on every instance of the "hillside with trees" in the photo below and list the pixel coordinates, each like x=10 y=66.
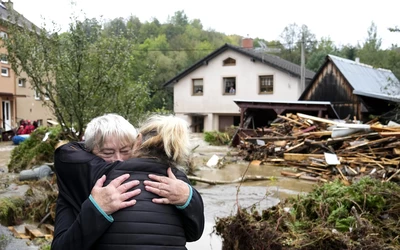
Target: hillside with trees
x=120 y=65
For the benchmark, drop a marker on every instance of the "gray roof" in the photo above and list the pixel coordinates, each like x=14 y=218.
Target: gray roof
x=271 y=60
x=367 y=80
x=275 y=61
x=6 y=12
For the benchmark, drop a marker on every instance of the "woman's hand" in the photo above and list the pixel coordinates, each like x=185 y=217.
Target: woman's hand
x=173 y=190
x=114 y=196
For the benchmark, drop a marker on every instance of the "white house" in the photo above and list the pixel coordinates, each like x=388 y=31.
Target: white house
x=204 y=93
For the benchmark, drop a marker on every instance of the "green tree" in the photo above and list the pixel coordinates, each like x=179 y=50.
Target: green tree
x=79 y=74
x=324 y=47
x=292 y=37
x=370 y=52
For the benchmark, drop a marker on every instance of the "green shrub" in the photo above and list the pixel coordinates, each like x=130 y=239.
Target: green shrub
x=34 y=151
x=217 y=138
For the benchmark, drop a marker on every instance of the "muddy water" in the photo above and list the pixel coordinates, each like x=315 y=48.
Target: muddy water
x=222 y=200
x=219 y=200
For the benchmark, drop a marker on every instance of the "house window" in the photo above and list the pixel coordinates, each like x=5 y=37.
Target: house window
x=229 y=85
x=3 y=58
x=266 y=84
x=37 y=94
x=40 y=122
x=197 y=86
x=46 y=95
x=22 y=82
x=5 y=71
x=3 y=35
x=229 y=62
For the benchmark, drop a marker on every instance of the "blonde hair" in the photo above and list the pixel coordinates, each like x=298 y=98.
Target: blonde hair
x=109 y=125
x=167 y=135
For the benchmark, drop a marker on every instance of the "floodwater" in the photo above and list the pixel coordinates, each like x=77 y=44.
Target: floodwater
x=219 y=200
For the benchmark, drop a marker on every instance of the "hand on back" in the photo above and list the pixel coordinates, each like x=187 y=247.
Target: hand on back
x=115 y=195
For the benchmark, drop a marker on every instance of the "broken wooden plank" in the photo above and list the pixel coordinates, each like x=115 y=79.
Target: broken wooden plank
x=370 y=143
x=18 y=235
x=291 y=120
x=384 y=134
x=314 y=118
x=33 y=232
x=300 y=157
x=381 y=128
x=255 y=162
x=273 y=138
x=49 y=228
x=294 y=147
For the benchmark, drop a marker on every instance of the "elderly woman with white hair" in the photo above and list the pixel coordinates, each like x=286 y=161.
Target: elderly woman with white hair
x=166 y=212
x=155 y=222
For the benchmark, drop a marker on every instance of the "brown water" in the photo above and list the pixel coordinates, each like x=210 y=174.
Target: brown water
x=219 y=200
x=222 y=200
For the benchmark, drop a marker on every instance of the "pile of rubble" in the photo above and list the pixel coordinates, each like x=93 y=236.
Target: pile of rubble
x=323 y=149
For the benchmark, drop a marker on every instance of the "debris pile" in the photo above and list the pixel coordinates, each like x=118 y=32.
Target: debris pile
x=364 y=215
x=323 y=149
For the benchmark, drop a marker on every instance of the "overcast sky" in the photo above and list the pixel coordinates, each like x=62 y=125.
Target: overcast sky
x=344 y=21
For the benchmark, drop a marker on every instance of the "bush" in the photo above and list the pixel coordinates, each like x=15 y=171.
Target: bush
x=34 y=151
x=217 y=138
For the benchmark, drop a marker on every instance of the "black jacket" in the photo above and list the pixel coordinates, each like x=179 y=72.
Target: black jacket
x=148 y=225
x=78 y=222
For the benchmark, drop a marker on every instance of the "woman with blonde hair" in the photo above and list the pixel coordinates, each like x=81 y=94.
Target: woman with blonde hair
x=155 y=222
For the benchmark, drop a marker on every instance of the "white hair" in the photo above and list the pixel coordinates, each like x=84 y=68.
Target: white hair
x=169 y=133
x=109 y=125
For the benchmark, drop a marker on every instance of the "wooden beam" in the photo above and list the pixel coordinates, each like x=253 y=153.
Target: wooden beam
x=314 y=118
x=300 y=157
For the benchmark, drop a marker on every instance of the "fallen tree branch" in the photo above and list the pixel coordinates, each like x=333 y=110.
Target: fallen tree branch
x=238 y=180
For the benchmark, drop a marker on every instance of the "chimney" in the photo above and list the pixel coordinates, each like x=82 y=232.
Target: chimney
x=9 y=5
x=357 y=60
x=247 y=43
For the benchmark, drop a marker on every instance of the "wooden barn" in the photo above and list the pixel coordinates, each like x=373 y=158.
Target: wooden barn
x=353 y=88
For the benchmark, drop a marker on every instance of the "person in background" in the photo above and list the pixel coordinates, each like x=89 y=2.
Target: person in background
x=29 y=128
x=35 y=125
x=20 y=133
x=165 y=216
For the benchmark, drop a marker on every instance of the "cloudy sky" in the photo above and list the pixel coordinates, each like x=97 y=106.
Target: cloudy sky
x=344 y=21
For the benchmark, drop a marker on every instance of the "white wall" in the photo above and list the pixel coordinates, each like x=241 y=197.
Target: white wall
x=214 y=102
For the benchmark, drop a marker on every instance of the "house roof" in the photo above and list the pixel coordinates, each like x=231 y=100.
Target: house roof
x=300 y=106
x=365 y=79
x=271 y=60
x=6 y=9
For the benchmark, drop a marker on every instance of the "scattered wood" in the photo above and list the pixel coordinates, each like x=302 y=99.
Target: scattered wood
x=238 y=180
x=300 y=141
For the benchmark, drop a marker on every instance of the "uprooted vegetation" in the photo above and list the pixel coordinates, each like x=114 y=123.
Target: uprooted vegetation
x=35 y=151
x=364 y=215
x=37 y=205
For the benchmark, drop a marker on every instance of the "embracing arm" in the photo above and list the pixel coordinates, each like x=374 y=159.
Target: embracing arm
x=78 y=231
x=193 y=216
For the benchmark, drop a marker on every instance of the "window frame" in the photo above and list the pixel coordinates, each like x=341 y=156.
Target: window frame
x=229 y=62
x=46 y=95
x=226 y=89
x=1 y=58
x=3 y=34
x=36 y=94
x=266 y=77
x=7 y=70
x=23 y=85
x=194 y=88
